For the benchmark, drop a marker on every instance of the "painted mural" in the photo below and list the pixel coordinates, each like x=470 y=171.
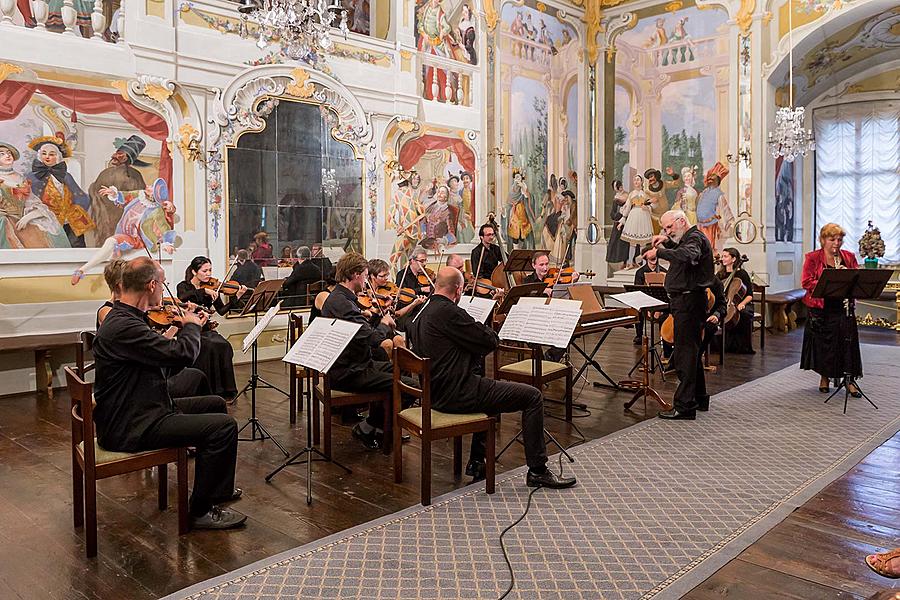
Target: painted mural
x=72 y=162
x=358 y=15
x=433 y=201
x=672 y=149
x=539 y=118
x=784 y=200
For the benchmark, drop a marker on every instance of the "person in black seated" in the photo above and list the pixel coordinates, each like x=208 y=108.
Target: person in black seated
x=739 y=338
x=491 y=251
x=246 y=272
x=540 y=262
x=216 y=354
x=457 y=343
x=714 y=316
x=690 y=272
x=408 y=277
x=318 y=258
x=355 y=370
x=182 y=383
x=134 y=409
x=305 y=272
x=640 y=278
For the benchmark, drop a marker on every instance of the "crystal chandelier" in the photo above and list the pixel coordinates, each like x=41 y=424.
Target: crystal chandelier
x=329 y=183
x=302 y=27
x=790 y=139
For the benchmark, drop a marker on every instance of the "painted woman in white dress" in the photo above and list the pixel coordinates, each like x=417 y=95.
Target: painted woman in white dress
x=637 y=223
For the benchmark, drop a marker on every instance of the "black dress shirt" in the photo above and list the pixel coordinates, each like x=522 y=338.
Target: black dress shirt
x=640 y=276
x=690 y=262
x=357 y=356
x=297 y=283
x=188 y=293
x=406 y=278
x=492 y=258
x=456 y=344
x=248 y=274
x=130 y=386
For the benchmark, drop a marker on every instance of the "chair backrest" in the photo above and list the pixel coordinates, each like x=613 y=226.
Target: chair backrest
x=407 y=361
x=83 y=349
x=295 y=328
x=82 y=414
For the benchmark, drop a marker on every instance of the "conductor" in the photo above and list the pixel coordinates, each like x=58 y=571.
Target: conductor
x=690 y=273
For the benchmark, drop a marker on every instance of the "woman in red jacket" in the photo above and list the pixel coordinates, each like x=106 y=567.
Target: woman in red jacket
x=830 y=324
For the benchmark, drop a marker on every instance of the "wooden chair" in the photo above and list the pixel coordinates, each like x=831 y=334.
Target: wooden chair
x=430 y=425
x=759 y=298
x=298 y=375
x=320 y=386
x=90 y=463
x=83 y=349
x=531 y=368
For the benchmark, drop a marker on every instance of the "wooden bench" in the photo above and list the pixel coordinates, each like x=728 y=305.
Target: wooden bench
x=783 y=316
x=41 y=345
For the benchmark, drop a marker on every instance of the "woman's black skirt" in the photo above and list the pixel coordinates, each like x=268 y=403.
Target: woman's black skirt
x=616 y=250
x=831 y=342
x=739 y=339
x=217 y=361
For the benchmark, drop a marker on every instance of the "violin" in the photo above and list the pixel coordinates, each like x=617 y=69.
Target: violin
x=426 y=278
x=567 y=275
x=170 y=313
x=229 y=288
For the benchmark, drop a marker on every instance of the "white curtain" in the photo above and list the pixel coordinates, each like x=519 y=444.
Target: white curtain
x=858 y=171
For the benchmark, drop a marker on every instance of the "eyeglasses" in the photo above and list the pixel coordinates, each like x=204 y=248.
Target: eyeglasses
x=422 y=260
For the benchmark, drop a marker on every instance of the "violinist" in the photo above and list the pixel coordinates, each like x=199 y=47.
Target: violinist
x=297 y=283
x=491 y=251
x=738 y=338
x=830 y=325
x=183 y=383
x=414 y=277
x=216 y=354
x=540 y=262
x=379 y=294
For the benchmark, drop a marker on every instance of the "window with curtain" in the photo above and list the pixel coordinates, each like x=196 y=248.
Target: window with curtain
x=858 y=171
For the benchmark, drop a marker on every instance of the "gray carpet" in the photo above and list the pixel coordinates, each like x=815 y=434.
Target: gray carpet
x=659 y=507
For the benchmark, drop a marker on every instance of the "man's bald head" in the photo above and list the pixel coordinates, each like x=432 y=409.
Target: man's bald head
x=456 y=261
x=449 y=283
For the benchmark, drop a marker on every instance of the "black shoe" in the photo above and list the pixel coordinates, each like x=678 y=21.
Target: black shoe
x=685 y=415
x=637 y=341
x=369 y=440
x=219 y=518
x=350 y=415
x=235 y=495
x=548 y=479
x=703 y=403
x=476 y=470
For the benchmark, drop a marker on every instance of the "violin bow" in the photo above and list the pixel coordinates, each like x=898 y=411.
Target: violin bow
x=227 y=273
x=403 y=279
x=165 y=285
x=477 y=273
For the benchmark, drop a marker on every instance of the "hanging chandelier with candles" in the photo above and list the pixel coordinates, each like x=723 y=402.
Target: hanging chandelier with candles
x=790 y=138
x=302 y=27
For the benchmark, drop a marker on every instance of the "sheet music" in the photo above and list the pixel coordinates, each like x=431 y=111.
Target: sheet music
x=260 y=326
x=478 y=308
x=321 y=343
x=637 y=300
x=540 y=323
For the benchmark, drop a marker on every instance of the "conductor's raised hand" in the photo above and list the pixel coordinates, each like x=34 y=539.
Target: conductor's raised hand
x=658 y=239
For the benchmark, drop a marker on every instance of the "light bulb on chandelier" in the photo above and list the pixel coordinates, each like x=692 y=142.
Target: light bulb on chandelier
x=302 y=27
x=790 y=138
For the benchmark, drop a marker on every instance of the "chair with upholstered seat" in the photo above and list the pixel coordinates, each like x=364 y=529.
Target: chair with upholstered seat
x=532 y=369
x=430 y=425
x=90 y=463
x=331 y=398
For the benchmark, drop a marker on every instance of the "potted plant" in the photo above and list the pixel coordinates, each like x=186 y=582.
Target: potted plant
x=871 y=246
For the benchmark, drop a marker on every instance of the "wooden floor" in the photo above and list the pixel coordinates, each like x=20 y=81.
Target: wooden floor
x=815 y=553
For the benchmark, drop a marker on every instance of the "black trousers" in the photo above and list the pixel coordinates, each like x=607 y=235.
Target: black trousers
x=201 y=422
x=495 y=397
x=689 y=313
x=378 y=378
x=188 y=382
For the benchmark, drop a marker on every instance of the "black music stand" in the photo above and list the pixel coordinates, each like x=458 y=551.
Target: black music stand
x=846 y=285
x=642 y=386
x=659 y=293
x=263 y=297
x=520 y=260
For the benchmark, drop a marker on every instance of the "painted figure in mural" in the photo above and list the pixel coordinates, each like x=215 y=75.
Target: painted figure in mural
x=406 y=216
x=656 y=190
x=685 y=53
x=121 y=175
x=465 y=31
x=545 y=38
x=468 y=195
x=618 y=250
x=686 y=196
x=435 y=37
x=518 y=220
x=83 y=9
x=147 y=222
x=637 y=223
x=55 y=186
x=517 y=27
x=563 y=245
x=465 y=230
x=441 y=217
x=25 y=221
x=359 y=21
x=784 y=203
x=714 y=216
x=658 y=39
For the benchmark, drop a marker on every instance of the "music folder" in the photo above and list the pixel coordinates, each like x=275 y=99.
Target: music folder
x=856 y=284
x=321 y=343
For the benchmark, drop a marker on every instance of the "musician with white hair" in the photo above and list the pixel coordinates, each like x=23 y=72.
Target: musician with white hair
x=690 y=273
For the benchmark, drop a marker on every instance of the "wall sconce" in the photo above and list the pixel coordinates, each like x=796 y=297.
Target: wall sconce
x=593 y=172
x=505 y=158
x=742 y=155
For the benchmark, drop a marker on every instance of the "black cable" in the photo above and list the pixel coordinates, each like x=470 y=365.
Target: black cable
x=512 y=575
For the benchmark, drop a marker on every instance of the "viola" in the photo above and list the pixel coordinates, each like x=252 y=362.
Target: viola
x=229 y=288
x=426 y=278
x=483 y=285
x=171 y=311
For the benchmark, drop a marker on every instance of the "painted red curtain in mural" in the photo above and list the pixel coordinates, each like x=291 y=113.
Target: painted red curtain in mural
x=413 y=150
x=14 y=96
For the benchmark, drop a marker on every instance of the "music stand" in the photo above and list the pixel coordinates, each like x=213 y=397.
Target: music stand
x=519 y=291
x=660 y=294
x=642 y=386
x=846 y=285
x=520 y=260
x=263 y=297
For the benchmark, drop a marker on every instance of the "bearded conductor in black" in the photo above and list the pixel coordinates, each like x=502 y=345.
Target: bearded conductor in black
x=456 y=342
x=690 y=272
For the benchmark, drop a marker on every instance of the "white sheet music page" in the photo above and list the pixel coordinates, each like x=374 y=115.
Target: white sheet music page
x=259 y=327
x=478 y=308
x=541 y=323
x=321 y=343
x=637 y=300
